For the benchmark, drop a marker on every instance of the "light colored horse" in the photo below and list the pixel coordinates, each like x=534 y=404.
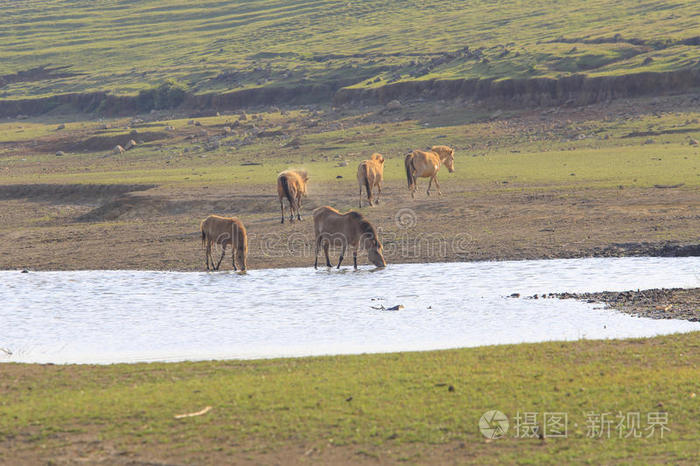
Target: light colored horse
x=223 y=231
x=422 y=164
x=370 y=173
x=349 y=229
x=291 y=184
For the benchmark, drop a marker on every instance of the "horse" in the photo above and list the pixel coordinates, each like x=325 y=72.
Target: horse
x=370 y=174
x=224 y=231
x=349 y=229
x=292 y=185
x=426 y=165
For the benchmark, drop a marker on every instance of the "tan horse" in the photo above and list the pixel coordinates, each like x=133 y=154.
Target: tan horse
x=223 y=231
x=350 y=229
x=291 y=184
x=421 y=164
x=370 y=174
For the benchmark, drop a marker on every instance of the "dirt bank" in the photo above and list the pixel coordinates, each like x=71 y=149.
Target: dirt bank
x=674 y=303
x=511 y=93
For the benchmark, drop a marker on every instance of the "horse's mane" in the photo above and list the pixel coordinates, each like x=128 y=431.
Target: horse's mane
x=365 y=226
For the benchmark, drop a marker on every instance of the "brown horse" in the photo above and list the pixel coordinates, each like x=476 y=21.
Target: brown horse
x=223 y=231
x=370 y=174
x=292 y=185
x=346 y=229
x=421 y=164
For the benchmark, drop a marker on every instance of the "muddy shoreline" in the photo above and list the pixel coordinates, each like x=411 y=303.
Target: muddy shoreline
x=657 y=303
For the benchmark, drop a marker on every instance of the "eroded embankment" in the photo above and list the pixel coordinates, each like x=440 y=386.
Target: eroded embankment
x=576 y=89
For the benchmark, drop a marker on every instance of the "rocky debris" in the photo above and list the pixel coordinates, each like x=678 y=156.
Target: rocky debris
x=197 y=123
x=693 y=142
x=393 y=105
x=295 y=143
x=60 y=127
x=130 y=145
x=342 y=164
x=60 y=153
x=657 y=303
x=118 y=149
x=227 y=130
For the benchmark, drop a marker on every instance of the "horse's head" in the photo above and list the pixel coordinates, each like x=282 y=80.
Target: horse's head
x=447 y=156
x=304 y=177
x=374 y=254
x=378 y=157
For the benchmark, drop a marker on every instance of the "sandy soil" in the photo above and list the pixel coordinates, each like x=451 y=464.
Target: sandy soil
x=47 y=228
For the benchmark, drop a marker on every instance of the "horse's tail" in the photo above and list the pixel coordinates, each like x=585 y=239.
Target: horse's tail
x=365 y=175
x=285 y=188
x=408 y=162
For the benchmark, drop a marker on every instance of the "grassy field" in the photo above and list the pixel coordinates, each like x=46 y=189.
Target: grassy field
x=413 y=407
x=127 y=46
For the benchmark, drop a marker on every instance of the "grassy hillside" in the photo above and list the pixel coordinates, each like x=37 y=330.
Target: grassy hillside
x=57 y=46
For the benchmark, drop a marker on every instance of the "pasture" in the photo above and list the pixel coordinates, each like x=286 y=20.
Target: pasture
x=126 y=47
x=400 y=407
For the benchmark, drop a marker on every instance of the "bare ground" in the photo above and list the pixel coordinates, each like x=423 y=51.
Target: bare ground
x=75 y=227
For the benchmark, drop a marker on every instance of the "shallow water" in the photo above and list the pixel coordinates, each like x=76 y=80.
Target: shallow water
x=130 y=316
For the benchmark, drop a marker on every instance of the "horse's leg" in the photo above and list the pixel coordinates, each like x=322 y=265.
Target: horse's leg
x=234 y=252
x=207 y=253
x=223 y=251
x=379 y=191
x=437 y=185
x=326 y=246
x=430 y=183
x=299 y=208
x=318 y=243
x=291 y=211
x=342 y=254
x=354 y=257
x=414 y=186
x=360 y=196
x=282 y=207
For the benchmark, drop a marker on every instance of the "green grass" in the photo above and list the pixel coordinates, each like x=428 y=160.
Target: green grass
x=398 y=400
x=589 y=153
x=218 y=46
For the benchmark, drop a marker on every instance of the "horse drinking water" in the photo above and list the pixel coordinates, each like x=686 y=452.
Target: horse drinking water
x=350 y=229
x=223 y=231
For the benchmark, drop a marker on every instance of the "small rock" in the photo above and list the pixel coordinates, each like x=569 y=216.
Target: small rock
x=60 y=153
x=191 y=122
x=393 y=105
x=105 y=126
x=61 y=126
x=25 y=271
x=227 y=130
x=693 y=142
x=343 y=164
x=130 y=145
x=515 y=295
x=338 y=177
x=170 y=128
x=196 y=123
x=118 y=149
x=649 y=141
